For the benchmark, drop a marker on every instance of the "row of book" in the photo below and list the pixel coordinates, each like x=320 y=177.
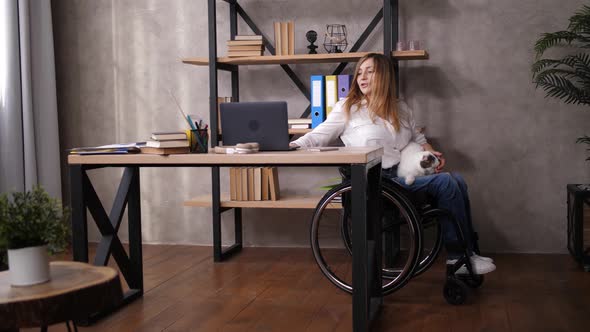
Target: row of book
x=325 y=92
x=245 y=45
x=254 y=184
x=284 y=38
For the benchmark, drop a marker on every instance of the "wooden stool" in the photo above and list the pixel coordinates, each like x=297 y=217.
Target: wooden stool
x=74 y=291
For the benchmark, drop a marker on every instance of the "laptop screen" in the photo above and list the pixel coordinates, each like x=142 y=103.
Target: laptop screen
x=261 y=122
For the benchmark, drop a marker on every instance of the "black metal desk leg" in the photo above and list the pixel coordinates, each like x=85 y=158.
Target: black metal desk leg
x=78 y=206
x=218 y=253
x=134 y=227
x=366 y=256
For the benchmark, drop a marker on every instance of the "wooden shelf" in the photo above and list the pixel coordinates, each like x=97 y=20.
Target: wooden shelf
x=286 y=202
x=303 y=58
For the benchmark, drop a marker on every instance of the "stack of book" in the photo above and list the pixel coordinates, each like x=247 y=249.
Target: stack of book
x=284 y=38
x=245 y=45
x=174 y=142
x=299 y=123
x=254 y=184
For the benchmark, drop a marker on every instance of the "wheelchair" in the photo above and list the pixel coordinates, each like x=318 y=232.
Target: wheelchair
x=411 y=237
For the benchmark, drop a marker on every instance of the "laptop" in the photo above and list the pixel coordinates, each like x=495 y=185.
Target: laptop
x=261 y=122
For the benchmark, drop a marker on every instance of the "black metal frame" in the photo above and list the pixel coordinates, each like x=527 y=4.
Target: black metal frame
x=576 y=199
x=366 y=181
x=83 y=199
x=388 y=12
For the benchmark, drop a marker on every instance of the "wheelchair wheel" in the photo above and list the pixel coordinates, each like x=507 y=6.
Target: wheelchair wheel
x=455 y=291
x=431 y=235
x=332 y=252
x=432 y=242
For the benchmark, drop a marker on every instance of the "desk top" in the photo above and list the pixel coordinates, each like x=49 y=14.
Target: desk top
x=344 y=155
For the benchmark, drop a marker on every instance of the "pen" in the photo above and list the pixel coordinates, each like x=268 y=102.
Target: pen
x=190 y=122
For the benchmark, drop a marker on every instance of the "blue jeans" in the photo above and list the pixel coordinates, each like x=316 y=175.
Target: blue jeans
x=449 y=191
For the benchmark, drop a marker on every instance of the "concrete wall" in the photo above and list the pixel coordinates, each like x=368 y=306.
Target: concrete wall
x=117 y=61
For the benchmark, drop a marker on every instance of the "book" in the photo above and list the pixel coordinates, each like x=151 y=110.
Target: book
x=250 y=183
x=299 y=121
x=123 y=148
x=243 y=53
x=259 y=48
x=258 y=183
x=167 y=144
x=248 y=37
x=164 y=151
x=291 y=37
x=284 y=39
x=244 y=42
x=239 y=181
x=232 y=183
x=170 y=135
x=273 y=184
x=300 y=126
x=277 y=28
x=244 y=178
x=264 y=184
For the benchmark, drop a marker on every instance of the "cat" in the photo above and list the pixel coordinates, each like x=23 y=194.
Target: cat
x=416 y=162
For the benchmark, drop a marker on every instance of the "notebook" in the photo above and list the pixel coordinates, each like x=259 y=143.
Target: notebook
x=261 y=122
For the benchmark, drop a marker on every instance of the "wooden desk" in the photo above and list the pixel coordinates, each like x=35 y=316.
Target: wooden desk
x=74 y=291
x=365 y=166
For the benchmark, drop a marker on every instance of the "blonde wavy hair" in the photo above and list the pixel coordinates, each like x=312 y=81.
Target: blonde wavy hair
x=383 y=101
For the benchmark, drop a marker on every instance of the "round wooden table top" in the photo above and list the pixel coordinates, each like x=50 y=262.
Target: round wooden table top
x=74 y=291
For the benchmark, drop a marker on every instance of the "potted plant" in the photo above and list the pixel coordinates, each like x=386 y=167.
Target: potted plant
x=31 y=224
x=567 y=78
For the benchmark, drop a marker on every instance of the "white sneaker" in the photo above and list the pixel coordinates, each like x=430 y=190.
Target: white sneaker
x=483 y=258
x=479 y=266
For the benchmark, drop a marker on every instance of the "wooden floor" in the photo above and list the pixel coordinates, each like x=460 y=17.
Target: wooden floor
x=269 y=289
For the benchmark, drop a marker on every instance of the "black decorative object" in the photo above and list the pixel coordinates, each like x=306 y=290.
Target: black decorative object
x=311 y=36
x=578 y=223
x=335 y=38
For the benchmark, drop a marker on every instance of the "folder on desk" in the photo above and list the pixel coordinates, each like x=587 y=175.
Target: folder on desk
x=331 y=92
x=318 y=114
x=343 y=86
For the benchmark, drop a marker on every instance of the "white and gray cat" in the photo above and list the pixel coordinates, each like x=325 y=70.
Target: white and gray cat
x=416 y=162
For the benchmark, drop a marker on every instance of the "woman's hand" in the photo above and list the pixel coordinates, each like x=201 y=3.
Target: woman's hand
x=441 y=159
x=439 y=155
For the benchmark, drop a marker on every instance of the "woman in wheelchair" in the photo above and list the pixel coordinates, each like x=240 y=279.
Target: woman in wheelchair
x=371 y=115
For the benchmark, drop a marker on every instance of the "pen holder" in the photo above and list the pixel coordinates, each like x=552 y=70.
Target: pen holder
x=199 y=140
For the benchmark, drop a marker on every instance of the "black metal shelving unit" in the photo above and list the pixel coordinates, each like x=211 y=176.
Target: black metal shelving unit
x=388 y=13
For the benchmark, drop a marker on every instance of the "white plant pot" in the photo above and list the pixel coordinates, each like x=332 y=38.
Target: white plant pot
x=28 y=266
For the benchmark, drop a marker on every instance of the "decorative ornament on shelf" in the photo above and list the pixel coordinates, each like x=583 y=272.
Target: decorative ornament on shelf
x=311 y=36
x=335 y=38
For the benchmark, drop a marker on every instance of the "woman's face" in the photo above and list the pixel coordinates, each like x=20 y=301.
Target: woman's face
x=365 y=76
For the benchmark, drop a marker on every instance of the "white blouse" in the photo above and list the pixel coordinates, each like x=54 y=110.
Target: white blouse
x=360 y=130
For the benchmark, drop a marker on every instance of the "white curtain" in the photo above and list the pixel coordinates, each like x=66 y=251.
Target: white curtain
x=29 y=139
